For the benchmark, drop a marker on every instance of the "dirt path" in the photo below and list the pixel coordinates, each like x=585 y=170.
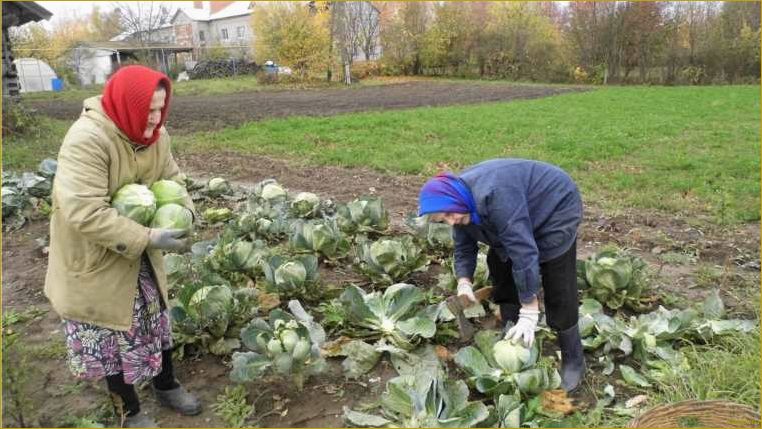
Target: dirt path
x=55 y=394
x=197 y=113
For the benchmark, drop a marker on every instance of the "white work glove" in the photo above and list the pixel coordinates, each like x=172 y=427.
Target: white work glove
x=524 y=329
x=466 y=290
x=167 y=239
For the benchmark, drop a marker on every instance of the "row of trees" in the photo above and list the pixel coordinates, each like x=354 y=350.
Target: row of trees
x=610 y=42
x=314 y=37
x=594 y=42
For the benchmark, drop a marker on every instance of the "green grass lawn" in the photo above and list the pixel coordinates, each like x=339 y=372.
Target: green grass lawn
x=682 y=150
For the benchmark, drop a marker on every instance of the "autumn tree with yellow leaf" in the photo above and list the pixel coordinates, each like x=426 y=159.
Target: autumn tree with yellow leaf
x=294 y=35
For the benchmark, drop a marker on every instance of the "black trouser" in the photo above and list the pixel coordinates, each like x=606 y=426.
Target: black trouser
x=559 y=284
x=126 y=399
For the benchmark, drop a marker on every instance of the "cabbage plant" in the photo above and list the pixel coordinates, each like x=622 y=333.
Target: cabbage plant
x=614 y=278
x=259 y=226
x=291 y=276
x=498 y=367
x=169 y=192
x=365 y=214
x=14 y=201
x=239 y=255
x=177 y=267
x=136 y=202
x=271 y=191
x=390 y=260
x=282 y=345
x=218 y=186
x=433 y=236
x=305 y=205
x=653 y=338
x=421 y=401
x=396 y=314
x=449 y=282
x=323 y=237
x=210 y=317
x=35 y=184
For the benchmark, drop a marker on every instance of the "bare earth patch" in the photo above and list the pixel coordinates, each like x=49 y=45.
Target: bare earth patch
x=204 y=113
x=733 y=252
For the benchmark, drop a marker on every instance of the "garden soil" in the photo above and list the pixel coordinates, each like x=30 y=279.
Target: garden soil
x=53 y=392
x=191 y=113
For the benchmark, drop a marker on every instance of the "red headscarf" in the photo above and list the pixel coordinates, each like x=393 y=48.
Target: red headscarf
x=127 y=101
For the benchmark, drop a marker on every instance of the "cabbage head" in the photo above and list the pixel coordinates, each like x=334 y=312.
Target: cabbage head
x=511 y=357
x=291 y=273
x=172 y=216
x=273 y=192
x=136 y=202
x=305 y=204
x=169 y=192
x=219 y=186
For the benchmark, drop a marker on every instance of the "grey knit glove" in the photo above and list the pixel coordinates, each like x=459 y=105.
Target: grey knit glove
x=167 y=239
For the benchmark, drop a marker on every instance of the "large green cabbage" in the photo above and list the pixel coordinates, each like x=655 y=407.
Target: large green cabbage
x=292 y=273
x=136 y=202
x=511 y=357
x=172 y=216
x=169 y=192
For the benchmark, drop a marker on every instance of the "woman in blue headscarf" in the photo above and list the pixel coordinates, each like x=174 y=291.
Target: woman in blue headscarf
x=528 y=213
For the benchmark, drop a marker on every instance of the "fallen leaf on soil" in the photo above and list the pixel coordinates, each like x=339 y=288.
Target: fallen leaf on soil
x=268 y=301
x=636 y=401
x=443 y=354
x=335 y=348
x=556 y=401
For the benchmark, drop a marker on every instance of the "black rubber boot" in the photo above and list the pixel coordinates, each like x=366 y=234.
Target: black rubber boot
x=509 y=314
x=572 y=359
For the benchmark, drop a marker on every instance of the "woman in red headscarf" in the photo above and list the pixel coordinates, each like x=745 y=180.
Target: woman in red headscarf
x=106 y=275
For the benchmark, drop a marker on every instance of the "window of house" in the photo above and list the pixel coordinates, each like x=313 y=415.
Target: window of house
x=241 y=32
x=224 y=34
x=201 y=36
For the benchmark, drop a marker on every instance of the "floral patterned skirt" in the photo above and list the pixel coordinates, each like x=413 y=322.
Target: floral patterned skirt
x=95 y=352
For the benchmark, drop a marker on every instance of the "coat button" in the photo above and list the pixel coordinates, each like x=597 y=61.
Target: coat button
x=121 y=247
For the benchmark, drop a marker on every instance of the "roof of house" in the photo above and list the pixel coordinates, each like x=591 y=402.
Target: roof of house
x=130 y=47
x=126 y=35
x=238 y=8
x=24 y=11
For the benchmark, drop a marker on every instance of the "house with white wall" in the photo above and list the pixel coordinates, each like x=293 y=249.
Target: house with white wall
x=215 y=23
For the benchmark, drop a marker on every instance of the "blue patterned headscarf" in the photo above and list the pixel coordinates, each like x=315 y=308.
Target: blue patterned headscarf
x=446 y=193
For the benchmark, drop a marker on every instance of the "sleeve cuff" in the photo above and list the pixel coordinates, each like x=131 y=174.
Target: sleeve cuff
x=133 y=244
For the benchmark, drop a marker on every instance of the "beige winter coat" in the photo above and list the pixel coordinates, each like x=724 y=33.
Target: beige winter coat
x=95 y=253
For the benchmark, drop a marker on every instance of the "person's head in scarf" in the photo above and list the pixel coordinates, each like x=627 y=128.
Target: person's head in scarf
x=446 y=198
x=136 y=98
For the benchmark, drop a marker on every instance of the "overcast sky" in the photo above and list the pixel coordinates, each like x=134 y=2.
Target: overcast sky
x=69 y=9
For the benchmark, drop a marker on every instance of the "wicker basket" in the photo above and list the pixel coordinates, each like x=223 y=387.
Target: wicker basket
x=706 y=414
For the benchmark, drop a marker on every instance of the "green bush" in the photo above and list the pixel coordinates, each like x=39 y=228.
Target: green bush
x=19 y=120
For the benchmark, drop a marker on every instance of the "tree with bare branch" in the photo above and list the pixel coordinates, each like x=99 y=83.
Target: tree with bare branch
x=143 y=19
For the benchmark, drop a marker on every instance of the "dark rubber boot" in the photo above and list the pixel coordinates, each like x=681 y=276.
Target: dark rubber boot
x=179 y=400
x=509 y=314
x=572 y=359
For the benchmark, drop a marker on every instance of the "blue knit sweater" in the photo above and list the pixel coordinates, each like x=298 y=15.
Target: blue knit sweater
x=530 y=212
